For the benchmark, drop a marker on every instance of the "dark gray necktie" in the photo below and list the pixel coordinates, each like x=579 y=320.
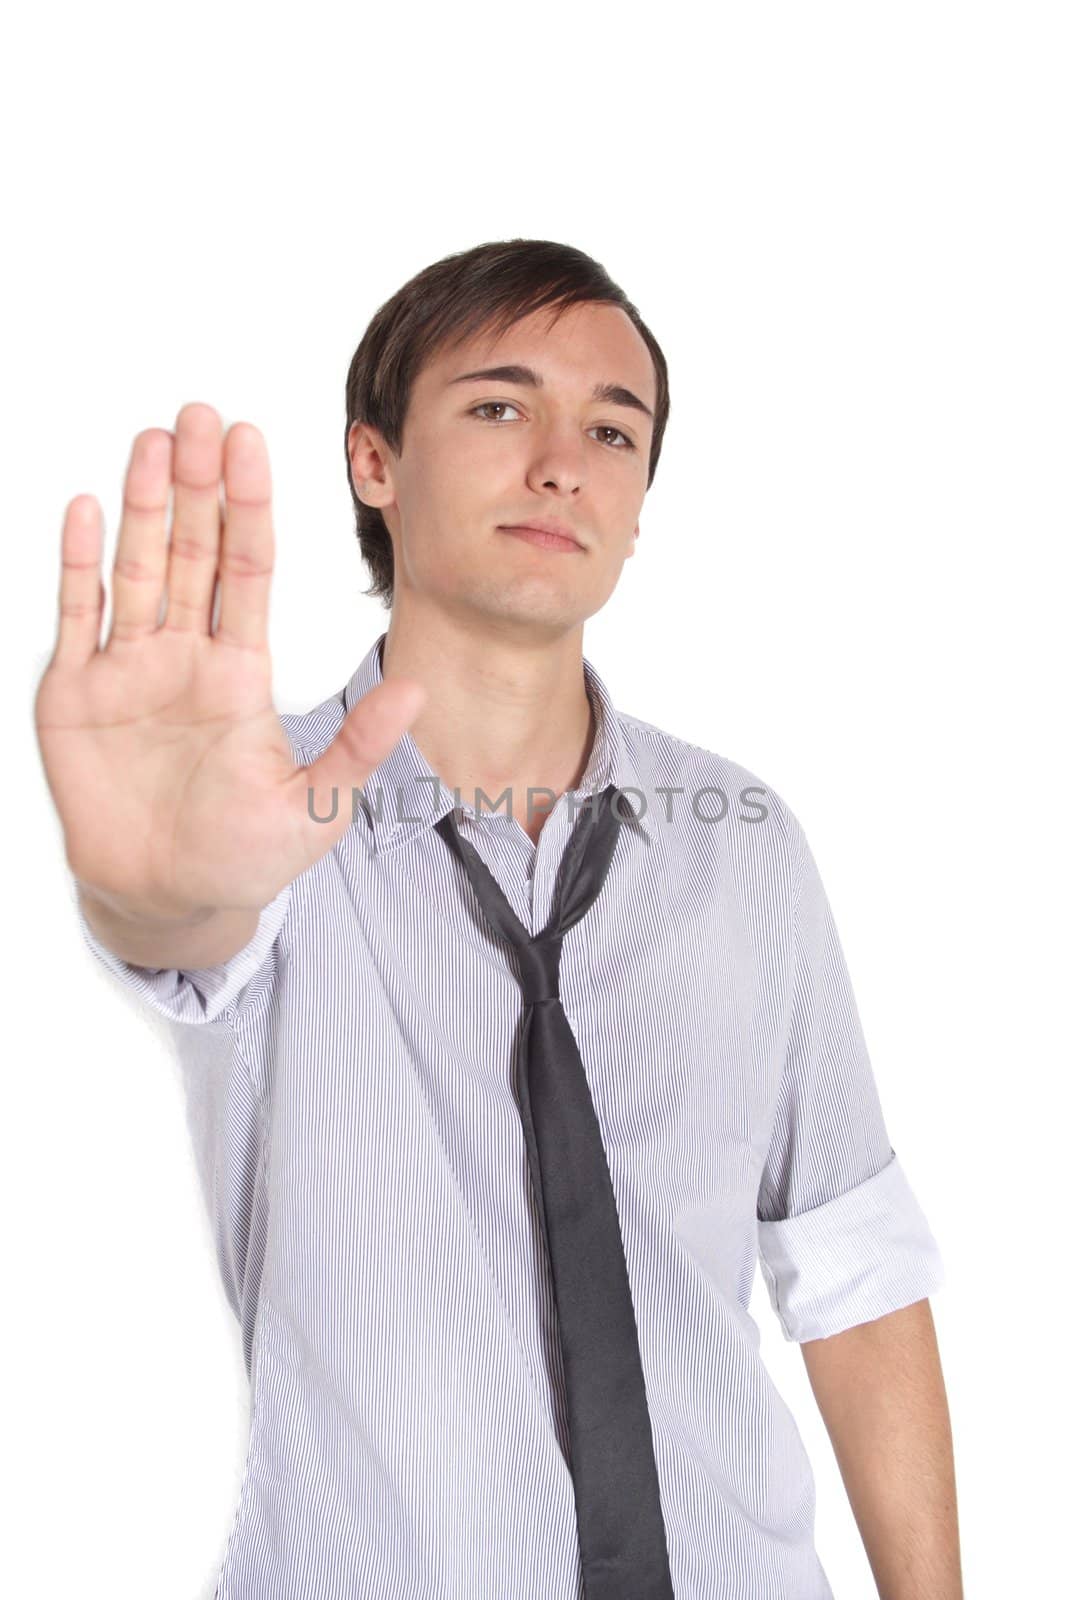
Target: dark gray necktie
x=616 y=1487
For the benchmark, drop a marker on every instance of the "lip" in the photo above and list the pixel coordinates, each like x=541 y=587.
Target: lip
x=550 y=536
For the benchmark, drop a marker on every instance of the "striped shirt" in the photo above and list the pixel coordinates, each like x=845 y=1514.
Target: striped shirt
x=363 y=1161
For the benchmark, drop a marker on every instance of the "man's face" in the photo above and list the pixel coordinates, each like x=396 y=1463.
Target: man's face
x=482 y=453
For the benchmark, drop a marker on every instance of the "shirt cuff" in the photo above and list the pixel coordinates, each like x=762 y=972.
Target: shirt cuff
x=193 y=994
x=859 y=1256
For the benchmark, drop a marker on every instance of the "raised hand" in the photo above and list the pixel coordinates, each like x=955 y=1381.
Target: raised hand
x=165 y=757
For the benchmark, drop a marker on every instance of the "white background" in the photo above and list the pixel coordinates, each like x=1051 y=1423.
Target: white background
x=845 y=226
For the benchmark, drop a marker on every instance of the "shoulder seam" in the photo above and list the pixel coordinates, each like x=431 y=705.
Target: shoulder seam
x=637 y=725
x=650 y=730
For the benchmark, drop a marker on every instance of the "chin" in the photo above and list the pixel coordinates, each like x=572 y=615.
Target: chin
x=537 y=604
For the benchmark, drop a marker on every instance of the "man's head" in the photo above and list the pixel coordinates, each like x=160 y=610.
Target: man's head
x=437 y=461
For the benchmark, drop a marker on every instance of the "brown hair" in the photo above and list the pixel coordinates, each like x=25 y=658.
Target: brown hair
x=486 y=288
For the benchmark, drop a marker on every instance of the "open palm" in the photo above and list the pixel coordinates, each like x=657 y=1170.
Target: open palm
x=166 y=759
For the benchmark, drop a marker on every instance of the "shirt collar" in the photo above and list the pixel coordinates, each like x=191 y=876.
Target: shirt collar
x=401 y=798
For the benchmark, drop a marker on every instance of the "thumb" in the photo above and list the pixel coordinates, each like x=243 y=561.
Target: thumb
x=371 y=730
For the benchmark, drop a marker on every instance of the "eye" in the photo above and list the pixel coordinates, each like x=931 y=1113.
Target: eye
x=507 y=405
x=609 y=427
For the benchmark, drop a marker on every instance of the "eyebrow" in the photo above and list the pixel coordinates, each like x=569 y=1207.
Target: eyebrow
x=614 y=393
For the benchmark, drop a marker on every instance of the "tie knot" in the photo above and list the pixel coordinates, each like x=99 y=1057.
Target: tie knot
x=582 y=871
x=539 y=967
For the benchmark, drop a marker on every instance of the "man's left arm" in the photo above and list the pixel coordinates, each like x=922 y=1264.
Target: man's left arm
x=881 y=1393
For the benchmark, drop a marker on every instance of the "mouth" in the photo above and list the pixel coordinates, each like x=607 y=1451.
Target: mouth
x=542 y=537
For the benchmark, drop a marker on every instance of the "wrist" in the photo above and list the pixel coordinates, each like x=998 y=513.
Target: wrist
x=145 y=913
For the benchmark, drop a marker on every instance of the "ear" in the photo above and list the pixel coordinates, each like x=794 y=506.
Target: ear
x=633 y=541
x=368 y=466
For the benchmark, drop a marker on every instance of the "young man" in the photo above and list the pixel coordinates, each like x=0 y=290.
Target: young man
x=522 y=1058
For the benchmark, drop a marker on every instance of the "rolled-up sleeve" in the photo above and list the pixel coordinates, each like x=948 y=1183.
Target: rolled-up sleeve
x=194 y=994
x=841 y=1237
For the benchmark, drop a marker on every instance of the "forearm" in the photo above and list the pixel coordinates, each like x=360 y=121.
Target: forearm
x=204 y=940
x=881 y=1393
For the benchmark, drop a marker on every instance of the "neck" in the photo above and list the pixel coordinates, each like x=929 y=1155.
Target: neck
x=504 y=715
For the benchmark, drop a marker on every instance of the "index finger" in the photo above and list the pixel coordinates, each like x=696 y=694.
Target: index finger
x=246 y=549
